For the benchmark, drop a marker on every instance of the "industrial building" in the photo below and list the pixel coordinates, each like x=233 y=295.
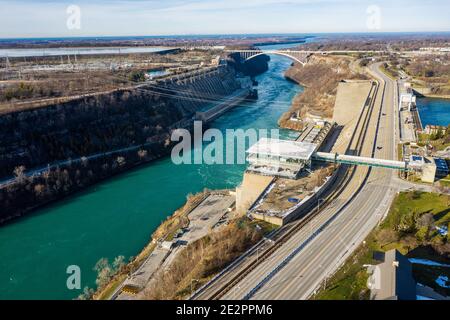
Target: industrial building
x=392 y=279
x=428 y=168
x=407 y=98
x=442 y=169
x=281 y=158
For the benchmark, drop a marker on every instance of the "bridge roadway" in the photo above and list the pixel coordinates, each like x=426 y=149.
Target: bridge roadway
x=364 y=161
x=301 y=56
x=296 y=269
x=340 y=51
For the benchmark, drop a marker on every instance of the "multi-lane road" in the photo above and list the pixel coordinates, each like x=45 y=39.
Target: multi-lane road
x=296 y=269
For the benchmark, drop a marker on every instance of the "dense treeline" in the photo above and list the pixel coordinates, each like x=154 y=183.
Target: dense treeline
x=83 y=127
x=395 y=42
x=28 y=192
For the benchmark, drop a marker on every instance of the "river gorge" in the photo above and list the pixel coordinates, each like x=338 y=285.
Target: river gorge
x=117 y=216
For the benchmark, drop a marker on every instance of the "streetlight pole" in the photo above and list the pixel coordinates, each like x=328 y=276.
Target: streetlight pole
x=318 y=203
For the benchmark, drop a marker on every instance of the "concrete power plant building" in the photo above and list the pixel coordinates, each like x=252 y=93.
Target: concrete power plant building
x=281 y=158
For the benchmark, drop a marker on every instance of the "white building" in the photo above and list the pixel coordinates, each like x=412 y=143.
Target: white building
x=282 y=158
x=408 y=101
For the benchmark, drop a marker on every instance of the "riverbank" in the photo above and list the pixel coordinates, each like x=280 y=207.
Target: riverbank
x=179 y=285
x=156 y=287
x=116 y=217
x=435 y=96
x=88 y=139
x=320 y=78
x=165 y=231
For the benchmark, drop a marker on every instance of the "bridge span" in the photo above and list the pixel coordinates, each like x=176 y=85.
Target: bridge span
x=364 y=161
x=298 y=56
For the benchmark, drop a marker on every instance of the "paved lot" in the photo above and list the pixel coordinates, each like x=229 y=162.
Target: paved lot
x=206 y=216
x=407 y=129
x=209 y=214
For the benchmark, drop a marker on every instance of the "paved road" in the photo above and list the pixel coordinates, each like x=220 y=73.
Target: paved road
x=296 y=269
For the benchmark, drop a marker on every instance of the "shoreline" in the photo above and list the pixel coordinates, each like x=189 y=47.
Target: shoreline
x=161 y=233
x=31 y=210
x=434 y=96
x=147 y=250
x=144 y=245
x=157 y=235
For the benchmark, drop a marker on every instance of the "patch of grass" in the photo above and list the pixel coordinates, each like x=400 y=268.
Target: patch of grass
x=111 y=288
x=418 y=202
x=400 y=151
x=265 y=226
x=407 y=228
x=390 y=73
x=445 y=181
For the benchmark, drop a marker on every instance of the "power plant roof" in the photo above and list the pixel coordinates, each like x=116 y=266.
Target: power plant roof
x=283 y=149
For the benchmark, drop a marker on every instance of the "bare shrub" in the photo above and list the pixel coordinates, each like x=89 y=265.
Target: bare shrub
x=202 y=259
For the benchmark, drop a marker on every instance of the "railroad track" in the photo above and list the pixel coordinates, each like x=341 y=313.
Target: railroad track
x=284 y=234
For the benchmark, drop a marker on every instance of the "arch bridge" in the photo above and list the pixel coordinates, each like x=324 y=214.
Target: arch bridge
x=298 y=56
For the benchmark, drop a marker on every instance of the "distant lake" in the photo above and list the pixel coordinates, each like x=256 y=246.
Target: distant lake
x=77 y=51
x=434 y=111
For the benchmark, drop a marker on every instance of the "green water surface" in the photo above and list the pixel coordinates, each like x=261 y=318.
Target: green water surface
x=118 y=216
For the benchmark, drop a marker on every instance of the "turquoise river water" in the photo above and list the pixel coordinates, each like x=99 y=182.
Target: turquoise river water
x=117 y=217
x=434 y=111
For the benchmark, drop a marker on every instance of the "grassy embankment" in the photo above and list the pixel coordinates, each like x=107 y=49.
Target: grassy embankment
x=320 y=78
x=438 y=141
x=410 y=228
x=389 y=70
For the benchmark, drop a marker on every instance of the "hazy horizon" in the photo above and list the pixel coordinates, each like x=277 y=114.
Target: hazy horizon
x=103 y=18
x=311 y=34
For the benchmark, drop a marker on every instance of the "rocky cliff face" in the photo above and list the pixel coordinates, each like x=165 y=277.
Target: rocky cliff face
x=88 y=139
x=252 y=67
x=105 y=122
x=320 y=77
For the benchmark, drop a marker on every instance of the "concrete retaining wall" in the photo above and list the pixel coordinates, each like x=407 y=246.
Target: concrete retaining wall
x=311 y=203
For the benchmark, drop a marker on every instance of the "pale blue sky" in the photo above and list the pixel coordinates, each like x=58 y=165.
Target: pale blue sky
x=45 y=18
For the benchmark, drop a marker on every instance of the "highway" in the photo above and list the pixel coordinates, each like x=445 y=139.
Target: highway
x=297 y=268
